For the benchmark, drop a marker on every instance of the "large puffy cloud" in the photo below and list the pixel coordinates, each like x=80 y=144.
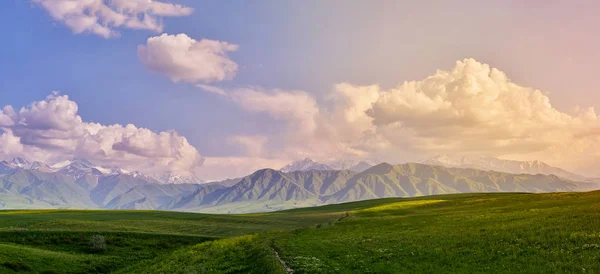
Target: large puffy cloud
x=51 y=130
x=297 y=111
x=101 y=17
x=337 y=128
x=182 y=58
x=6 y=116
x=472 y=108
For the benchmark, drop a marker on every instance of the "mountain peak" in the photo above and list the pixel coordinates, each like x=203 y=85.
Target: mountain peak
x=501 y=165
x=305 y=165
x=19 y=162
x=170 y=177
x=382 y=168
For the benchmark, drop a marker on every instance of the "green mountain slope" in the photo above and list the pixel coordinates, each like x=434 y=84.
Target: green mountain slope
x=264 y=190
x=411 y=180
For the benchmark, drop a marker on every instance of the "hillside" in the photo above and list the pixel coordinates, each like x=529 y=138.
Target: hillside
x=268 y=190
x=466 y=233
x=264 y=190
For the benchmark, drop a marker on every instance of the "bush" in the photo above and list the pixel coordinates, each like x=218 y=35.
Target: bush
x=17 y=266
x=97 y=243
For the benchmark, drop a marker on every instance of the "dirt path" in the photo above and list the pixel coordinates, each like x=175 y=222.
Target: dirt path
x=288 y=270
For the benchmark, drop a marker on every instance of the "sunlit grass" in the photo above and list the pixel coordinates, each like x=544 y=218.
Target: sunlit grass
x=400 y=205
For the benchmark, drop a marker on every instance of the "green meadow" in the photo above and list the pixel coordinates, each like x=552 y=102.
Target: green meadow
x=470 y=233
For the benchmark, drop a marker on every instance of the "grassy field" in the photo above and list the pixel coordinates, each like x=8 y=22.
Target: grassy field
x=475 y=233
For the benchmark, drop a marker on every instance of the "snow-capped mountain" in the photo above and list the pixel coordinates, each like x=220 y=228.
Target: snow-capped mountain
x=8 y=167
x=78 y=168
x=123 y=189
x=172 y=178
x=354 y=165
x=305 y=165
x=501 y=165
x=308 y=164
x=16 y=163
x=39 y=166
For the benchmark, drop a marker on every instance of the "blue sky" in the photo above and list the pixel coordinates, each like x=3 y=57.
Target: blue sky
x=296 y=45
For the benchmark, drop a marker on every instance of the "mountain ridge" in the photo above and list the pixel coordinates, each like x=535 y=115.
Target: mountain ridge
x=503 y=165
x=263 y=190
x=309 y=164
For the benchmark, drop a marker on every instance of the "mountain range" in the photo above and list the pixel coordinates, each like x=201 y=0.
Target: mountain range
x=80 y=167
x=501 y=165
x=81 y=184
x=308 y=164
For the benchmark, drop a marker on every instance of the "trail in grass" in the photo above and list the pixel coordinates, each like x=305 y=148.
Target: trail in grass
x=288 y=270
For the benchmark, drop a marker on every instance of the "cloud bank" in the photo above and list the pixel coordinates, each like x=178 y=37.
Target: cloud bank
x=103 y=17
x=52 y=131
x=182 y=58
x=474 y=108
x=471 y=109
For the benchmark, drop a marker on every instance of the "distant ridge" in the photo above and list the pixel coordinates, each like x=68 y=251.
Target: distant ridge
x=80 y=184
x=81 y=167
x=305 y=165
x=308 y=164
x=501 y=165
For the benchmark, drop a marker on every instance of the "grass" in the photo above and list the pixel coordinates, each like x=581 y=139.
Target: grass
x=242 y=254
x=474 y=233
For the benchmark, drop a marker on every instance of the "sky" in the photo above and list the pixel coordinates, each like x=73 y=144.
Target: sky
x=222 y=88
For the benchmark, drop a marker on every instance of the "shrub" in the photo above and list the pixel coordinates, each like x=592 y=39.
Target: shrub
x=17 y=266
x=97 y=243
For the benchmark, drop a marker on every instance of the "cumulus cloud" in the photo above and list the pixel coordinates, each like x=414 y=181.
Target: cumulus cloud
x=51 y=130
x=182 y=58
x=6 y=116
x=102 y=17
x=296 y=111
x=473 y=108
x=470 y=109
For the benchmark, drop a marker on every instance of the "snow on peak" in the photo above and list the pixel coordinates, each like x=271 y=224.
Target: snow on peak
x=174 y=178
x=502 y=165
x=354 y=165
x=305 y=165
x=20 y=162
x=60 y=165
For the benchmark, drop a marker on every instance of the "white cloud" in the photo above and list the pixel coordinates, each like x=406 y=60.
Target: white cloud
x=252 y=144
x=211 y=89
x=182 y=58
x=6 y=116
x=10 y=145
x=470 y=109
x=297 y=107
x=473 y=108
x=308 y=128
x=52 y=131
x=102 y=17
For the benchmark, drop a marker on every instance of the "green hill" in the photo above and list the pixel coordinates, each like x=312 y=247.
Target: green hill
x=475 y=233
